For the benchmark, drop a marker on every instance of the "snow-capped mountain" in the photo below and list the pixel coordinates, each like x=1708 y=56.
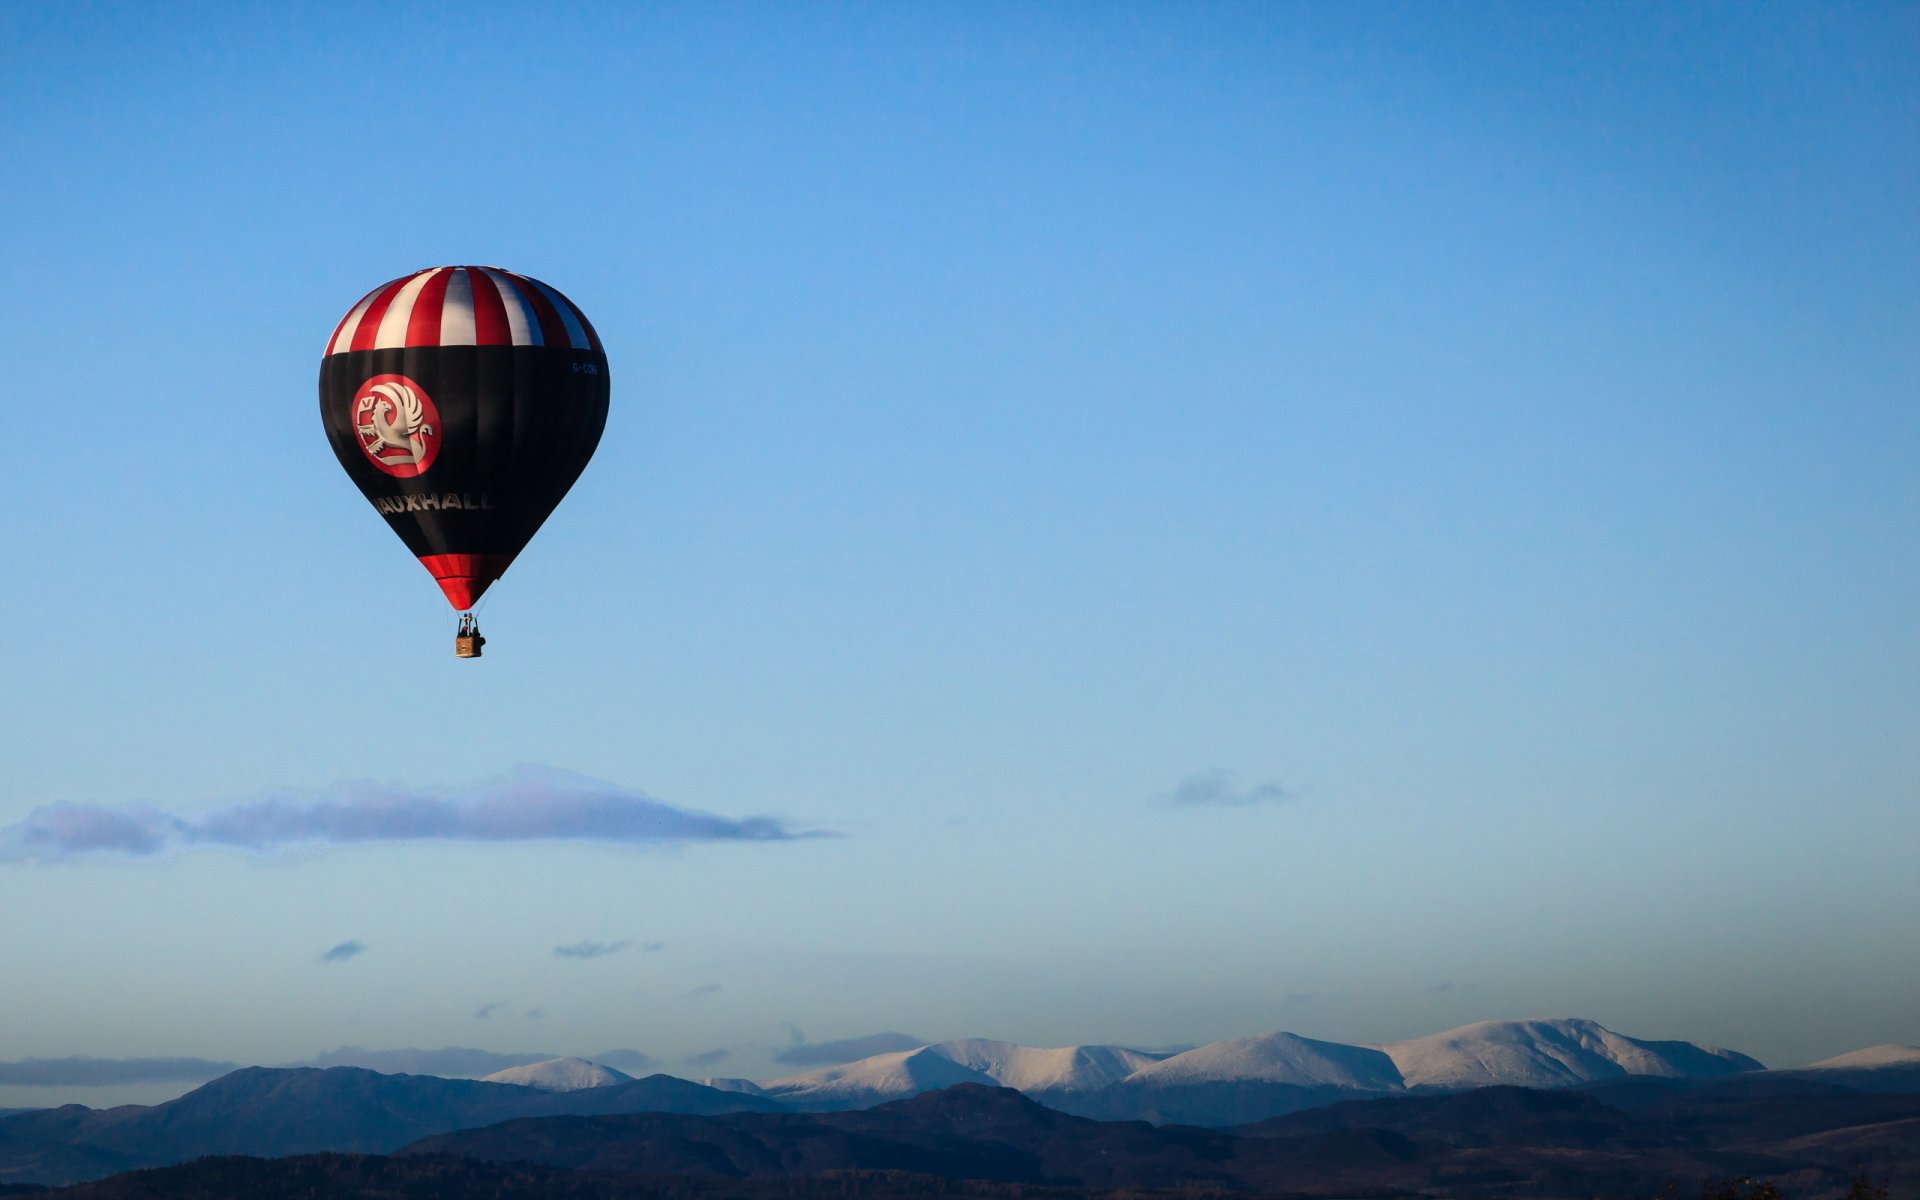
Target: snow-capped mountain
x=1058 y=1069
x=1275 y=1058
x=1550 y=1054
x=1244 y=1080
x=745 y=1087
x=1870 y=1059
x=873 y=1080
x=1039 y=1071
x=560 y=1075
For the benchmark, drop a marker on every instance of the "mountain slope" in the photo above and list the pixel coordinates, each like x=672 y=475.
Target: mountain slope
x=1057 y=1069
x=873 y=1080
x=1276 y=1058
x=1870 y=1059
x=560 y=1075
x=1561 y=1052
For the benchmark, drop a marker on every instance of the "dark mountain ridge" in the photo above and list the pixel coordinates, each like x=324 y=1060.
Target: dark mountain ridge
x=279 y=1111
x=1490 y=1142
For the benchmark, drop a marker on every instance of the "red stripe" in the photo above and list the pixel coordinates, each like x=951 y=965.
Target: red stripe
x=593 y=339
x=553 y=330
x=343 y=324
x=489 y=314
x=369 y=329
x=423 y=327
x=464 y=577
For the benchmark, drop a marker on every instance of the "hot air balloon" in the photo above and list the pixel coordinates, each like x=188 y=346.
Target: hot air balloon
x=464 y=402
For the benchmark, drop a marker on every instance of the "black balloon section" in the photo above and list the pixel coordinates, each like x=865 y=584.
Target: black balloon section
x=464 y=450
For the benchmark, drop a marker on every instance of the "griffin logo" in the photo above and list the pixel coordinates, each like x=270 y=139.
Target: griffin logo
x=397 y=424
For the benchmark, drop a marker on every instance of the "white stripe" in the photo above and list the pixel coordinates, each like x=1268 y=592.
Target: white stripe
x=523 y=323
x=344 y=338
x=456 y=315
x=393 y=323
x=576 y=329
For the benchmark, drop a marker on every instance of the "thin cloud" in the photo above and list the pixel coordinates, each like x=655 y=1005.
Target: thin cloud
x=589 y=949
x=102 y=1072
x=450 y=1062
x=710 y=1058
x=705 y=989
x=344 y=951
x=801 y=1053
x=1441 y=988
x=533 y=804
x=485 y=1011
x=1297 y=998
x=1219 y=789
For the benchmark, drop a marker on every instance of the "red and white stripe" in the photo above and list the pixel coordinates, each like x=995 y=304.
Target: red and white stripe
x=463 y=306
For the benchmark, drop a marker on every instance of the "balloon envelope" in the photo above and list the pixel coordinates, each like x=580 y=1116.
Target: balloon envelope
x=464 y=402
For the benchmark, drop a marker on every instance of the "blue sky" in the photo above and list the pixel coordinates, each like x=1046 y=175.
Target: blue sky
x=1466 y=451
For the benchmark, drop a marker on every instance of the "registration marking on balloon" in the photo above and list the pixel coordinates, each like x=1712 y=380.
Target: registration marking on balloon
x=397 y=425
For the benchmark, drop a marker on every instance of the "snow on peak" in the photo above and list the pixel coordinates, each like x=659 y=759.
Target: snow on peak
x=892 y=1076
x=745 y=1087
x=560 y=1075
x=1556 y=1052
x=1889 y=1055
x=1276 y=1058
x=1033 y=1069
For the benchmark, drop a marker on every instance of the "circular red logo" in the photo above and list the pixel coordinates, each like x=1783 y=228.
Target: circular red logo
x=397 y=425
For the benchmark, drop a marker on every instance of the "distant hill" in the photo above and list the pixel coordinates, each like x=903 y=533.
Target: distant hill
x=1490 y=1142
x=274 y=1111
x=1873 y=1058
x=968 y=1131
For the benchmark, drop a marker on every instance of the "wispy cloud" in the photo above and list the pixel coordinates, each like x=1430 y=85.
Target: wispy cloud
x=1220 y=789
x=1442 y=988
x=100 y=1072
x=453 y=1062
x=485 y=1011
x=344 y=951
x=801 y=1053
x=589 y=949
x=710 y=1058
x=533 y=804
x=705 y=989
x=1298 y=998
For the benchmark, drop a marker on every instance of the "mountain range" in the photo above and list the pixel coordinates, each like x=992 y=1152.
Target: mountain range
x=279 y=1112
x=1248 y=1079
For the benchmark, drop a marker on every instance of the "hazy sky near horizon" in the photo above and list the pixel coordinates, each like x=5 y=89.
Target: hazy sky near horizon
x=1119 y=522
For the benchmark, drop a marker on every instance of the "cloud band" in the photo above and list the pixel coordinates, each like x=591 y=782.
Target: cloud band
x=533 y=804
